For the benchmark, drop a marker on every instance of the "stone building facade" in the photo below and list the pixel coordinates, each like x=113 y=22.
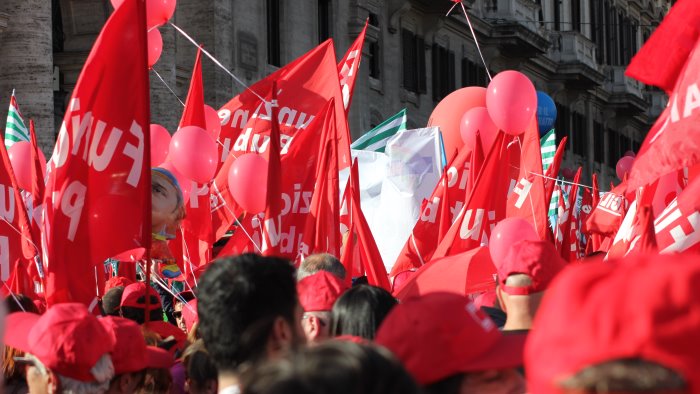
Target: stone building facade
x=574 y=50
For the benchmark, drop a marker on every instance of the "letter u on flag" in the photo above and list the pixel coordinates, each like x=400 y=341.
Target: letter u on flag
x=97 y=200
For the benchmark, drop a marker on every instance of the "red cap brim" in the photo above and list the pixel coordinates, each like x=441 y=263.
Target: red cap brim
x=17 y=328
x=506 y=353
x=158 y=358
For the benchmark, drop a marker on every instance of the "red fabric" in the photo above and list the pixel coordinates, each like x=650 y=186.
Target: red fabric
x=304 y=88
x=349 y=67
x=166 y=330
x=464 y=273
x=98 y=194
x=272 y=221
x=537 y=259
x=568 y=235
x=643 y=307
x=631 y=228
x=193 y=114
x=553 y=171
x=135 y=291
x=443 y=334
x=318 y=292
x=527 y=199
x=677 y=227
x=445 y=215
x=67 y=339
x=674 y=140
x=130 y=352
x=189 y=314
x=609 y=212
x=37 y=188
x=117 y=281
x=661 y=59
x=350 y=255
x=485 y=207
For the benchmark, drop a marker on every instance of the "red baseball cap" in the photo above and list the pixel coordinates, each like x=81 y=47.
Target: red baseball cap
x=318 y=292
x=442 y=334
x=117 y=281
x=134 y=291
x=130 y=352
x=648 y=307
x=166 y=330
x=67 y=339
x=536 y=259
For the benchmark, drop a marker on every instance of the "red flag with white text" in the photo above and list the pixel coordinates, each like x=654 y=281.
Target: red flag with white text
x=349 y=67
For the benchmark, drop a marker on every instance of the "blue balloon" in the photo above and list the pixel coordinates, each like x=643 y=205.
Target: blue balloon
x=546 y=112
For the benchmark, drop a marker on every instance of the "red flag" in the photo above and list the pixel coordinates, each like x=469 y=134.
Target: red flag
x=99 y=179
x=304 y=88
x=527 y=199
x=678 y=227
x=349 y=67
x=567 y=239
x=609 y=212
x=553 y=171
x=272 y=224
x=350 y=255
x=37 y=187
x=193 y=114
x=477 y=161
x=660 y=60
x=674 y=141
x=485 y=207
x=445 y=214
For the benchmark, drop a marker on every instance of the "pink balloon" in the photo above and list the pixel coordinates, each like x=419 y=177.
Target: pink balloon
x=511 y=100
x=506 y=233
x=568 y=173
x=448 y=115
x=213 y=121
x=185 y=183
x=155 y=46
x=624 y=165
x=478 y=120
x=247 y=180
x=194 y=153
x=160 y=144
x=630 y=153
x=21 y=158
x=116 y=3
x=158 y=12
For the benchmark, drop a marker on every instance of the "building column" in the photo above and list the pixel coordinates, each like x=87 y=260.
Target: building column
x=26 y=65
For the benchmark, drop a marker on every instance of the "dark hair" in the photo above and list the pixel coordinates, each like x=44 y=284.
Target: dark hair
x=449 y=385
x=200 y=367
x=625 y=375
x=19 y=303
x=139 y=314
x=111 y=301
x=339 y=367
x=239 y=299
x=360 y=311
x=321 y=262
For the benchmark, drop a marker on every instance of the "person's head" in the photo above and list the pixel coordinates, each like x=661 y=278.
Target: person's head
x=360 y=311
x=339 y=367
x=317 y=294
x=20 y=303
x=451 y=347
x=201 y=371
x=133 y=303
x=112 y=300
x=614 y=321
x=248 y=310
x=131 y=356
x=117 y=281
x=321 y=262
x=523 y=277
x=179 y=303
x=67 y=349
x=167 y=203
x=10 y=369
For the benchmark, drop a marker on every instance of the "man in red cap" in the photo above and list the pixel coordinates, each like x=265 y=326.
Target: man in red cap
x=68 y=350
x=133 y=303
x=317 y=294
x=630 y=326
x=131 y=356
x=523 y=277
x=452 y=347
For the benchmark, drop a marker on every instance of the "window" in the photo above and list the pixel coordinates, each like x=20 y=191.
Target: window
x=557 y=15
x=598 y=29
x=613 y=147
x=324 y=20
x=576 y=15
x=562 y=124
x=413 y=49
x=374 y=59
x=579 y=134
x=598 y=142
x=609 y=38
x=443 y=72
x=473 y=74
x=273 y=33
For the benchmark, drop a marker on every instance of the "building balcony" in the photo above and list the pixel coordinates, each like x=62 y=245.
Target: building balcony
x=657 y=100
x=576 y=60
x=626 y=93
x=515 y=28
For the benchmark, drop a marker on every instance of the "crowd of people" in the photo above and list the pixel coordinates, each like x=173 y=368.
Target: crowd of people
x=257 y=325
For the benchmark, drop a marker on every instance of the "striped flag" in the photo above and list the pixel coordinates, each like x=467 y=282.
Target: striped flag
x=375 y=140
x=548 y=146
x=15 y=130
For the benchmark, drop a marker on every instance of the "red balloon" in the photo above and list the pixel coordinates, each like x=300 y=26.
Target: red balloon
x=630 y=153
x=194 y=153
x=213 y=121
x=568 y=173
x=155 y=46
x=247 y=180
x=624 y=165
x=448 y=115
x=21 y=158
x=160 y=144
x=478 y=120
x=185 y=183
x=511 y=99
x=506 y=233
x=157 y=11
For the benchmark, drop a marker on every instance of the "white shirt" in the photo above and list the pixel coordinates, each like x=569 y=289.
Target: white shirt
x=230 y=390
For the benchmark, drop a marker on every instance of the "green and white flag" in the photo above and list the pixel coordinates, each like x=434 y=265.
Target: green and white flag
x=375 y=140
x=15 y=130
x=548 y=146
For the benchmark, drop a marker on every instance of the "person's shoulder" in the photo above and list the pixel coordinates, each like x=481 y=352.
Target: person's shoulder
x=230 y=390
